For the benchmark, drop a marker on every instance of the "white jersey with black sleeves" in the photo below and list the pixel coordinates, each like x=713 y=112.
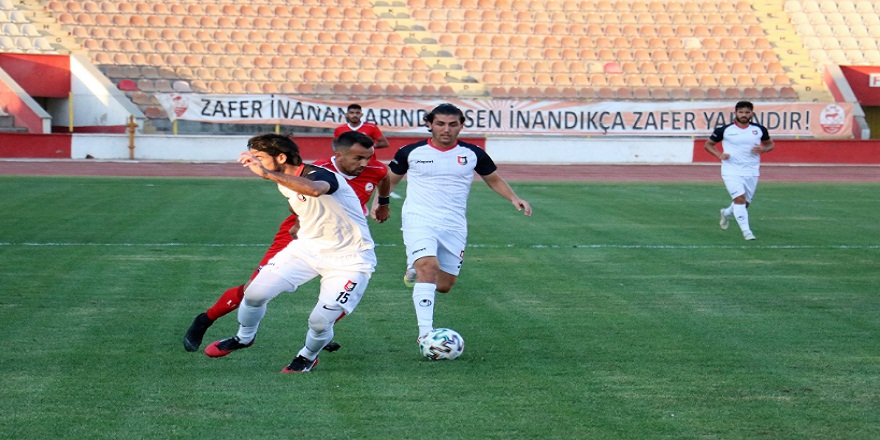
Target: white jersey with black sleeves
x=330 y=223
x=439 y=182
x=738 y=143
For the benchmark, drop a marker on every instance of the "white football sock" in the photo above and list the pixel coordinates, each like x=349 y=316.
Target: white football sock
x=423 y=300
x=741 y=214
x=728 y=212
x=253 y=306
x=249 y=318
x=320 y=332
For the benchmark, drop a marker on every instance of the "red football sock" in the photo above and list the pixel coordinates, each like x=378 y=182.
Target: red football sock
x=228 y=302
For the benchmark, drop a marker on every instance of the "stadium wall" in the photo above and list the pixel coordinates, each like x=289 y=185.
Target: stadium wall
x=205 y=148
x=100 y=106
x=46 y=76
x=15 y=101
x=544 y=150
x=811 y=151
x=35 y=146
x=528 y=150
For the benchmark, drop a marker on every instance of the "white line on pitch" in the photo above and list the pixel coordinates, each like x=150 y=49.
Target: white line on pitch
x=482 y=246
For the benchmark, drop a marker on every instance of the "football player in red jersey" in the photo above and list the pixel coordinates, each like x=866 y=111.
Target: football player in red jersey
x=353 y=158
x=354 y=123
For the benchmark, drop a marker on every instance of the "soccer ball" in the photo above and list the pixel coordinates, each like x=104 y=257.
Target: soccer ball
x=441 y=343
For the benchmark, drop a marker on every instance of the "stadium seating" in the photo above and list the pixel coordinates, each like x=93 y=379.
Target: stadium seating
x=555 y=49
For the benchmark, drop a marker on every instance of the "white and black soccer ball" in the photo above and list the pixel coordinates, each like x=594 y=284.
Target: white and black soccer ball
x=442 y=343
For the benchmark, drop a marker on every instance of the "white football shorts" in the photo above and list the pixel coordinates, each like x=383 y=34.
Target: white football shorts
x=447 y=246
x=344 y=278
x=739 y=185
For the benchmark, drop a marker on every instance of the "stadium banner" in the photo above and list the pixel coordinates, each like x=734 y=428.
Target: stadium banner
x=514 y=117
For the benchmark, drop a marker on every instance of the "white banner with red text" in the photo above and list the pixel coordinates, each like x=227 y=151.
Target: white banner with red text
x=518 y=117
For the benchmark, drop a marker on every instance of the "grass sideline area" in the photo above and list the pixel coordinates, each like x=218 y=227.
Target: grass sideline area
x=620 y=310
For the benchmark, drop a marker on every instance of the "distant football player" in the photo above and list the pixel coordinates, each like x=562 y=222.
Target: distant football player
x=743 y=142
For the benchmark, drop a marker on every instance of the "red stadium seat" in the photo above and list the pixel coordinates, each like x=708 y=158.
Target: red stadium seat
x=733 y=93
x=678 y=94
x=127 y=85
x=606 y=93
x=769 y=93
x=751 y=93
x=714 y=93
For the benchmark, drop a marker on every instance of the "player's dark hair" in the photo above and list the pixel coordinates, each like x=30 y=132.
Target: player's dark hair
x=354 y=107
x=744 y=104
x=445 y=109
x=275 y=144
x=349 y=138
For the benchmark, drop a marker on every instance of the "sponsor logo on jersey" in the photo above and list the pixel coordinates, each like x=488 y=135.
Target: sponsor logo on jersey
x=418 y=250
x=462 y=160
x=425 y=161
x=369 y=187
x=301 y=197
x=350 y=285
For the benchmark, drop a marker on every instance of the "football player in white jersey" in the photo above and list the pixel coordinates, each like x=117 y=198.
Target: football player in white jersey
x=333 y=241
x=743 y=144
x=440 y=171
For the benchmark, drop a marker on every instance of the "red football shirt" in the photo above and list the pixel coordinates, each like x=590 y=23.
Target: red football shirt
x=363 y=185
x=367 y=128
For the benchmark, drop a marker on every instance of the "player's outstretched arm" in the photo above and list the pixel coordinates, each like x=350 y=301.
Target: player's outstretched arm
x=500 y=186
x=313 y=188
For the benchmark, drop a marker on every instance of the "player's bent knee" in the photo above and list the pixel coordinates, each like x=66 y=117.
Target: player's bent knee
x=427 y=264
x=319 y=325
x=321 y=319
x=445 y=281
x=255 y=297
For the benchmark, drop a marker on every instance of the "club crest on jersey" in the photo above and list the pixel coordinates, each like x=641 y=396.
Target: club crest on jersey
x=301 y=197
x=462 y=160
x=754 y=132
x=350 y=285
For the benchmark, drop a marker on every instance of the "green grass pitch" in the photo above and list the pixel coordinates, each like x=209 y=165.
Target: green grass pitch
x=618 y=311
